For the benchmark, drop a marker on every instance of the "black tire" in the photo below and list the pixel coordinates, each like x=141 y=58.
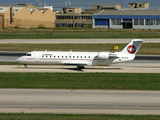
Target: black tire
x=80 y=67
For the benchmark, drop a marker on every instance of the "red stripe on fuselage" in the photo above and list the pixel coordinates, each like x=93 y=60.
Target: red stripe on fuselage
x=62 y=59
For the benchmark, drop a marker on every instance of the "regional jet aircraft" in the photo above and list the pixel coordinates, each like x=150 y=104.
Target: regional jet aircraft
x=81 y=59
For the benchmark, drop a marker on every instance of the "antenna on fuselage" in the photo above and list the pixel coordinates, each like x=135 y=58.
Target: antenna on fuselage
x=70 y=50
x=46 y=50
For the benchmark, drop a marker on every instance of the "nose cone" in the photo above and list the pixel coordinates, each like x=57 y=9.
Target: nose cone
x=19 y=60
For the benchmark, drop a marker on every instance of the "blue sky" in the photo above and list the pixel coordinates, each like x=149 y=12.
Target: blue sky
x=154 y=4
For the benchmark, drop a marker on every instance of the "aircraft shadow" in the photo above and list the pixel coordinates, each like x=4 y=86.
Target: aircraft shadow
x=104 y=68
x=28 y=67
x=73 y=69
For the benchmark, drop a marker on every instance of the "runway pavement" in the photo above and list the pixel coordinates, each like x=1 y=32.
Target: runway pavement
x=73 y=41
x=146 y=68
x=80 y=101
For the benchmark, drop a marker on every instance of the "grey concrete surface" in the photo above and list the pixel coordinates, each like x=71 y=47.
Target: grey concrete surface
x=146 y=68
x=74 y=41
x=8 y=58
x=79 y=101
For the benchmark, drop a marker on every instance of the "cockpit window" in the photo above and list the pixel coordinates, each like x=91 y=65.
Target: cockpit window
x=28 y=54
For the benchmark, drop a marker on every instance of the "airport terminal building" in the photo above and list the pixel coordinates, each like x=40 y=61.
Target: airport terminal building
x=128 y=18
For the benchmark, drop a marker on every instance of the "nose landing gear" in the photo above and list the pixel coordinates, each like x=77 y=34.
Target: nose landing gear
x=25 y=66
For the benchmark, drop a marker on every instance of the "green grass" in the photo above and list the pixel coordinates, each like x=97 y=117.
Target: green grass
x=22 y=116
x=146 y=48
x=114 y=81
x=59 y=47
x=79 y=35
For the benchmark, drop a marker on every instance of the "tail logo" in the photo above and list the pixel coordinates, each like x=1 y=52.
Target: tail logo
x=131 y=49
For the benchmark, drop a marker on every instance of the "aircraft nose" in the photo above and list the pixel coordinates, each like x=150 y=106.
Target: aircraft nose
x=19 y=59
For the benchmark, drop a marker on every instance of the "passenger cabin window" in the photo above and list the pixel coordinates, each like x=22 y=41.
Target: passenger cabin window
x=42 y=56
x=69 y=56
x=73 y=56
x=88 y=56
x=28 y=54
x=84 y=56
x=77 y=56
x=66 y=56
x=54 y=56
x=58 y=56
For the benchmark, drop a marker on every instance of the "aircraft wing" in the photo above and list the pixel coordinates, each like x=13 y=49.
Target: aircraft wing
x=76 y=63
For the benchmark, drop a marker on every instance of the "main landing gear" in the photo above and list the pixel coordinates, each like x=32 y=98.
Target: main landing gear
x=80 y=67
x=25 y=66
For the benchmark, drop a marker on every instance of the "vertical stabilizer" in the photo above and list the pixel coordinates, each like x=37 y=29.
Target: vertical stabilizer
x=132 y=47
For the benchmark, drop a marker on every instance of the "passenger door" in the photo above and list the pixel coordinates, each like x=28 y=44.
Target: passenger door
x=37 y=56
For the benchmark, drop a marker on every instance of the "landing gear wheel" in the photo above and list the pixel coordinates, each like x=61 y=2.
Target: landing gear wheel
x=25 y=66
x=80 y=67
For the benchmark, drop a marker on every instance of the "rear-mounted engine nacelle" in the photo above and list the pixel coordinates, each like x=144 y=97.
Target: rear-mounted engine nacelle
x=103 y=55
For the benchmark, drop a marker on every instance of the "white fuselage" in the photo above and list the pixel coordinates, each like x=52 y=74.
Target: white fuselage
x=81 y=59
x=72 y=58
